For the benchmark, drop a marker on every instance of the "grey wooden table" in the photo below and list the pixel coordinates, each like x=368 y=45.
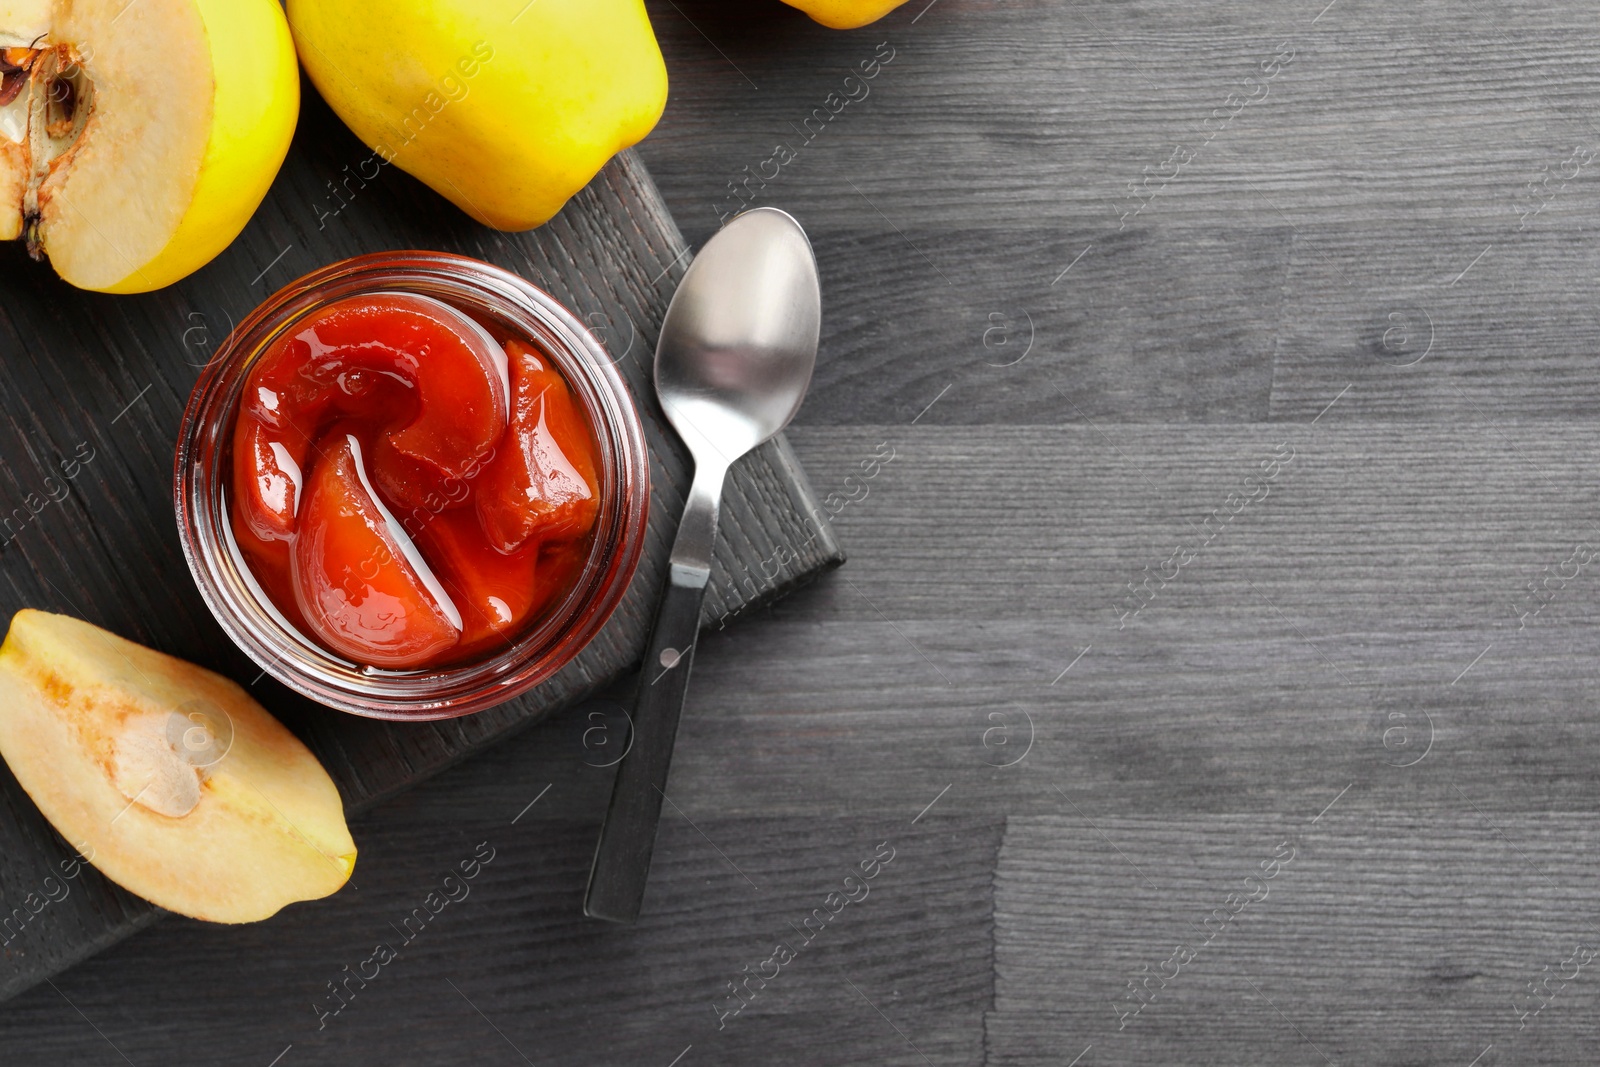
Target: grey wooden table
x=1210 y=394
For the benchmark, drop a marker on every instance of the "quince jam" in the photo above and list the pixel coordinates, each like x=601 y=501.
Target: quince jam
x=409 y=489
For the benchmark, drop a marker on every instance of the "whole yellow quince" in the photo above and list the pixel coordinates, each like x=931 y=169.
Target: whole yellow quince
x=506 y=107
x=845 y=14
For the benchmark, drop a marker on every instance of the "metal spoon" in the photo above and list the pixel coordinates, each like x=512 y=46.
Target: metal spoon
x=735 y=357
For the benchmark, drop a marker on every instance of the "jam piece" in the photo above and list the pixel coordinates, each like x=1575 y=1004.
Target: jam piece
x=496 y=592
x=270 y=479
x=360 y=584
x=430 y=376
x=541 y=487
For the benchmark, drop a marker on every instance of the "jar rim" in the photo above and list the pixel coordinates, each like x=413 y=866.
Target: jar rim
x=230 y=588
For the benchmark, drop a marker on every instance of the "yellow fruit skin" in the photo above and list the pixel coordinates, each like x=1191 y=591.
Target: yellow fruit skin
x=845 y=14
x=269 y=826
x=507 y=108
x=256 y=106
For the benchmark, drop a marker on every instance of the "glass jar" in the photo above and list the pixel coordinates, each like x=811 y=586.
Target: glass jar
x=202 y=493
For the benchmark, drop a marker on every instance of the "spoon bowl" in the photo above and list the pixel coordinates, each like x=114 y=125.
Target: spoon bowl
x=739 y=342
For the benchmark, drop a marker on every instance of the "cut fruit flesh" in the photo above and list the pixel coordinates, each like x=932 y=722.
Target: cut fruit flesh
x=146 y=134
x=170 y=779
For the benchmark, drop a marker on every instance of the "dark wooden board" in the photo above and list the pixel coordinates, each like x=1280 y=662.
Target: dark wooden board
x=113 y=373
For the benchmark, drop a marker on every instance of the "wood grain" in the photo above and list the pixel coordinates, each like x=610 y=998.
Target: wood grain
x=1368 y=606
x=1390 y=937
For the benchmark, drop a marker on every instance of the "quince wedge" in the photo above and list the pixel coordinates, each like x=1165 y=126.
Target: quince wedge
x=504 y=107
x=137 y=139
x=168 y=778
x=845 y=14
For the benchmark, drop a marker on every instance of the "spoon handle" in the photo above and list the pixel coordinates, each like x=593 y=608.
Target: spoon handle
x=622 y=858
x=628 y=836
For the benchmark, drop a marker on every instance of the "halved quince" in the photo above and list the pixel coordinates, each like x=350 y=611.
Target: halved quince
x=170 y=779
x=137 y=138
